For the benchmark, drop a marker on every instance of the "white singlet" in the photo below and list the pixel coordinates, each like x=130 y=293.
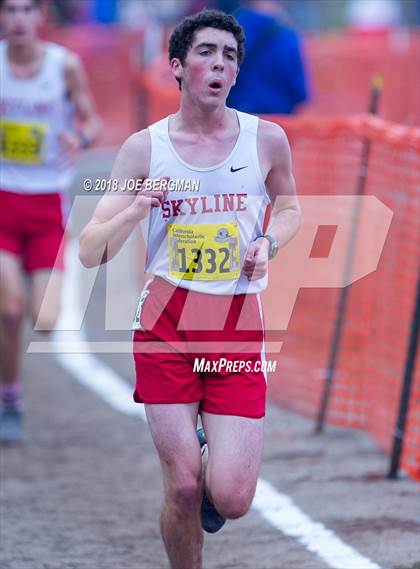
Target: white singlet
x=32 y=114
x=198 y=239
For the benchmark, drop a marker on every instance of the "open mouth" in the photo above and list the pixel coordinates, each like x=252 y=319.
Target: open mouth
x=215 y=85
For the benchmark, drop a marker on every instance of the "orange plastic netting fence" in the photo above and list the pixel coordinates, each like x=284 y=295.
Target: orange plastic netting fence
x=368 y=380
x=341 y=66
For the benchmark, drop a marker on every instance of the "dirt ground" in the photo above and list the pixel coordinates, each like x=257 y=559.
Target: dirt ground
x=84 y=493
x=85 y=490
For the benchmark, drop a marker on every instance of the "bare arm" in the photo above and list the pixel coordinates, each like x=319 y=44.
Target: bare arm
x=275 y=160
x=118 y=213
x=79 y=92
x=281 y=187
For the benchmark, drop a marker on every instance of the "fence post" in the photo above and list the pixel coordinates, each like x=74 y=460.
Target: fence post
x=410 y=365
x=342 y=304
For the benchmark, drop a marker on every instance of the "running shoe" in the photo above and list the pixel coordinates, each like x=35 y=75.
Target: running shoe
x=211 y=520
x=11 y=431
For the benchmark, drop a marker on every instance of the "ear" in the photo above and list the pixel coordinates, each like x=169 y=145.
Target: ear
x=176 y=68
x=234 y=81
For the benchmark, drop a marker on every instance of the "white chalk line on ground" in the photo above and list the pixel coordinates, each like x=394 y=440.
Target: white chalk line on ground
x=276 y=508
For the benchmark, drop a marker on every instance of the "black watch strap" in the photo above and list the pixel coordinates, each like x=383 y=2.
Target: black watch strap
x=85 y=141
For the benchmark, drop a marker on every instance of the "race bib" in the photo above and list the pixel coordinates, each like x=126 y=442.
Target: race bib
x=204 y=252
x=22 y=142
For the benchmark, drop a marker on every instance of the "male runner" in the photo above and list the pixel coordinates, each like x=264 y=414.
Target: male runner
x=43 y=91
x=201 y=302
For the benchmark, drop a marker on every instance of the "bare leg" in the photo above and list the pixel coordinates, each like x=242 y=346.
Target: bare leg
x=11 y=315
x=173 y=429
x=45 y=297
x=234 y=457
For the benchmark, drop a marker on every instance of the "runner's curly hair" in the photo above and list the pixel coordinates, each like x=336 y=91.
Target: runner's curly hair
x=183 y=35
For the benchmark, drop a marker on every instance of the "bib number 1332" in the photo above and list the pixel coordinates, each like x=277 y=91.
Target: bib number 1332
x=204 y=252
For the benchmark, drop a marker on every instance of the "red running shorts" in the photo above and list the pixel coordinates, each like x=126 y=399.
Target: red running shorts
x=176 y=327
x=32 y=228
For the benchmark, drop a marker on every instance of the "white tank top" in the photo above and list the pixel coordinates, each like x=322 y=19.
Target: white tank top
x=32 y=114
x=198 y=239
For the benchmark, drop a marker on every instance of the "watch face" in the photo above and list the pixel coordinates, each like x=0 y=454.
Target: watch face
x=273 y=249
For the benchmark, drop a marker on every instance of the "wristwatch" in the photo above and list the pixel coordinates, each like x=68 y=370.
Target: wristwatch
x=274 y=246
x=85 y=141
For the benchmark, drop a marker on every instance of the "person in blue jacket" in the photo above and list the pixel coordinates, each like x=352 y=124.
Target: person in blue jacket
x=272 y=78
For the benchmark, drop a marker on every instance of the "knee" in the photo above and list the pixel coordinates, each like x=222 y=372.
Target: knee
x=11 y=314
x=185 y=495
x=232 y=505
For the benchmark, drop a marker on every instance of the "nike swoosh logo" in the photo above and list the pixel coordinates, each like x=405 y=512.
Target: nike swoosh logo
x=232 y=169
